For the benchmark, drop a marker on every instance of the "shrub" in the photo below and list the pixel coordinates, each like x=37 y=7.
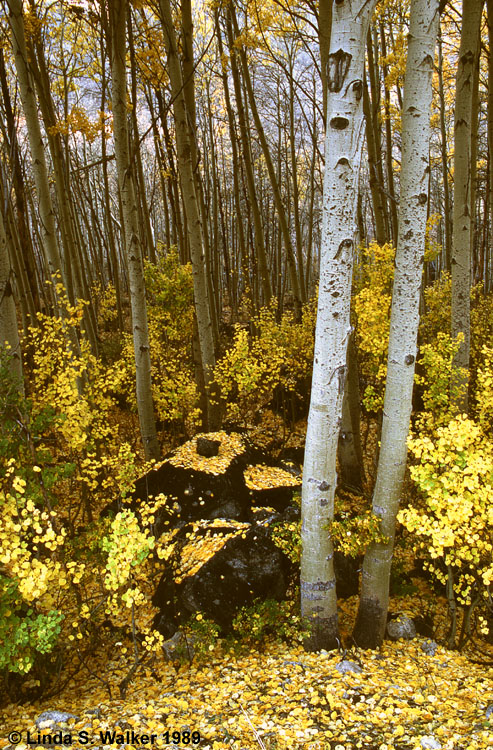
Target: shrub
x=170 y=312
x=452 y=518
x=371 y=303
x=279 y=354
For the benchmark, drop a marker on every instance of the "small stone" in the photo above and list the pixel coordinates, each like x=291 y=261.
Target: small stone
x=430 y=743
x=207 y=447
x=489 y=711
x=52 y=718
x=348 y=666
x=429 y=647
x=403 y=627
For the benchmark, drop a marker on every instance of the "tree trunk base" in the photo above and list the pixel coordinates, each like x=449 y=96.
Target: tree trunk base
x=371 y=621
x=324 y=634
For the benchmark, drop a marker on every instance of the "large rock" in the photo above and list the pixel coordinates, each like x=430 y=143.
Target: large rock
x=217 y=498
x=216 y=568
x=225 y=483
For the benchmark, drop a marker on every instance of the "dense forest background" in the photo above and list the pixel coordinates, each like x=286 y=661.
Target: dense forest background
x=164 y=226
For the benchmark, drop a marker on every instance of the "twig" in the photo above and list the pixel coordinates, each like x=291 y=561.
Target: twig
x=256 y=734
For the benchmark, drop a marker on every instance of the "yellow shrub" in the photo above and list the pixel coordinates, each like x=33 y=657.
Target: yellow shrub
x=371 y=304
x=452 y=519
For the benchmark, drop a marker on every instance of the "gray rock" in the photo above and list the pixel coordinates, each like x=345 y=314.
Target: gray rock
x=430 y=743
x=403 y=627
x=348 y=666
x=429 y=647
x=53 y=718
x=96 y=712
x=489 y=711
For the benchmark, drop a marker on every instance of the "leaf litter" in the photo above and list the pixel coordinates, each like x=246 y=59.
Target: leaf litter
x=281 y=697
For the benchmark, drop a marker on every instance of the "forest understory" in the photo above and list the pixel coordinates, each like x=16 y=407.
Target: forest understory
x=246 y=374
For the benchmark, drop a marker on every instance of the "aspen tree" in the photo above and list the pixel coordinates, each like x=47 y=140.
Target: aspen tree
x=461 y=237
x=9 y=332
x=489 y=6
x=343 y=148
x=372 y=614
x=185 y=149
x=39 y=167
x=124 y=164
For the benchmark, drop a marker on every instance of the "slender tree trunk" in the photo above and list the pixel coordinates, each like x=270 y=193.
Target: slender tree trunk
x=375 y=187
x=245 y=142
x=372 y=614
x=489 y=252
x=324 y=30
x=117 y=23
x=184 y=134
x=447 y=212
x=77 y=288
x=476 y=271
x=40 y=171
x=350 y=454
x=388 y=144
x=461 y=241
x=298 y=291
x=343 y=147
x=9 y=332
x=26 y=257
x=236 y=175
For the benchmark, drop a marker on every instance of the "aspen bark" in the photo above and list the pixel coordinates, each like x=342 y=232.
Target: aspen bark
x=461 y=238
x=185 y=151
x=489 y=252
x=343 y=147
x=40 y=170
x=117 y=16
x=9 y=332
x=404 y=320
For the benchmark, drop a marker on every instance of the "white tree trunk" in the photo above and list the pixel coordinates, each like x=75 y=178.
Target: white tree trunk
x=343 y=147
x=462 y=234
x=124 y=165
x=185 y=149
x=40 y=171
x=404 y=317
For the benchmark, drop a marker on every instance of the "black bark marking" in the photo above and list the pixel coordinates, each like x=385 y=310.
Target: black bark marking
x=339 y=63
x=308 y=587
x=345 y=245
x=422 y=199
x=409 y=359
x=339 y=123
x=323 y=632
x=324 y=486
x=358 y=89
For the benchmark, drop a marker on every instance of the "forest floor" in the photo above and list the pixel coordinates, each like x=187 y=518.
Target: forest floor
x=276 y=696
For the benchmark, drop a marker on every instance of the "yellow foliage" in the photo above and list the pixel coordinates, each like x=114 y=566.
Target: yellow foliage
x=371 y=303
x=170 y=310
x=453 y=517
x=279 y=353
